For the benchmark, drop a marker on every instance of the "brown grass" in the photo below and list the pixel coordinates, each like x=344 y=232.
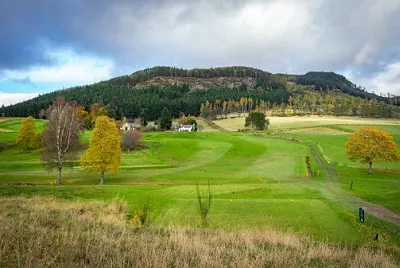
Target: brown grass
x=45 y=232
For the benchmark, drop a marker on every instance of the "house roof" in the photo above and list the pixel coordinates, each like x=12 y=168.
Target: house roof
x=186 y=126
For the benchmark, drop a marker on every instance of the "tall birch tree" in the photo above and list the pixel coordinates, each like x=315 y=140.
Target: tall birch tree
x=60 y=141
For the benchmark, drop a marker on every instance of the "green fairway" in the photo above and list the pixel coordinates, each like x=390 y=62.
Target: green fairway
x=256 y=181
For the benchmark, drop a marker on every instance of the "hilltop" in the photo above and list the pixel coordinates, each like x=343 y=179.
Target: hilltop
x=184 y=90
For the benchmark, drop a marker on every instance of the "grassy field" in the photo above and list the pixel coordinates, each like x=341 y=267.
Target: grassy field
x=258 y=182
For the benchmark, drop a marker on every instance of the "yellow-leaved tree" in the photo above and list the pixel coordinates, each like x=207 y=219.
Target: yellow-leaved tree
x=369 y=145
x=104 y=152
x=27 y=134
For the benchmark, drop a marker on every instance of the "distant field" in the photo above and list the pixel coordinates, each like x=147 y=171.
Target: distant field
x=283 y=123
x=14 y=124
x=9 y=128
x=317 y=130
x=257 y=181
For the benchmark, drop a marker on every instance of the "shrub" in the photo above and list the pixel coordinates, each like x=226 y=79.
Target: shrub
x=141 y=215
x=131 y=140
x=203 y=203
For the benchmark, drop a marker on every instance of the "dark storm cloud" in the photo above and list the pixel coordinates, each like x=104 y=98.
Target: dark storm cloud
x=25 y=25
x=95 y=26
x=357 y=37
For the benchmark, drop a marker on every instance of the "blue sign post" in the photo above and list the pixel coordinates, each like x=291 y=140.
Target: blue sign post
x=361 y=214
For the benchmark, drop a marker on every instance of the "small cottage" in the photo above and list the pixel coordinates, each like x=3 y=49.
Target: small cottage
x=186 y=128
x=130 y=126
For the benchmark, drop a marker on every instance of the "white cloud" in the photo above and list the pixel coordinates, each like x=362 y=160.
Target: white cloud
x=277 y=36
x=69 y=68
x=365 y=54
x=264 y=34
x=11 y=98
x=386 y=81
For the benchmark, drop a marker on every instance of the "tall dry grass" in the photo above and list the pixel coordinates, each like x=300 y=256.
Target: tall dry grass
x=45 y=232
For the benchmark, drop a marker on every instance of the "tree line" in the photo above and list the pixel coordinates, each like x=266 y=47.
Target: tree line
x=123 y=101
x=302 y=103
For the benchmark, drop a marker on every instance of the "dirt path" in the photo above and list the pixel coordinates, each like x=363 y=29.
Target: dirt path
x=215 y=126
x=374 y=209
x=378 y=211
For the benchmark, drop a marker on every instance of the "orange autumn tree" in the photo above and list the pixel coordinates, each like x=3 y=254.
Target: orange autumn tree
x=370 y=145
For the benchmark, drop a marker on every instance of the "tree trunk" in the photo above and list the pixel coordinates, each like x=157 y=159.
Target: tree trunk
x=370 y=168
x=60 y=163
x=102 y=178
x=59 y=174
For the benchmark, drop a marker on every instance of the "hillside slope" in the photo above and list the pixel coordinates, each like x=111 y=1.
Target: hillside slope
x=330 y=80
x=182 y=90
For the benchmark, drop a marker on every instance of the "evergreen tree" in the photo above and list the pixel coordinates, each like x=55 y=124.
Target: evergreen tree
x=113 y=109
x=256 y=120
x=165 y=119
x=143 y=117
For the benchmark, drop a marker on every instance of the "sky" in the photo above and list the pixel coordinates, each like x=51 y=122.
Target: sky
x=46 y=45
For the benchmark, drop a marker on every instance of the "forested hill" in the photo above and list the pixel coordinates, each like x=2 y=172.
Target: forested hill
x=165 y=71
x=182 y=90
x=330 y=80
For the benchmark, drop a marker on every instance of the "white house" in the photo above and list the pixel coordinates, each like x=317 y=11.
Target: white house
x=129 y=126
x=186 y=128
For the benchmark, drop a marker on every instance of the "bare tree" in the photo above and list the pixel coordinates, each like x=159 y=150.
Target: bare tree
x=60 y=141
x=131 y=139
